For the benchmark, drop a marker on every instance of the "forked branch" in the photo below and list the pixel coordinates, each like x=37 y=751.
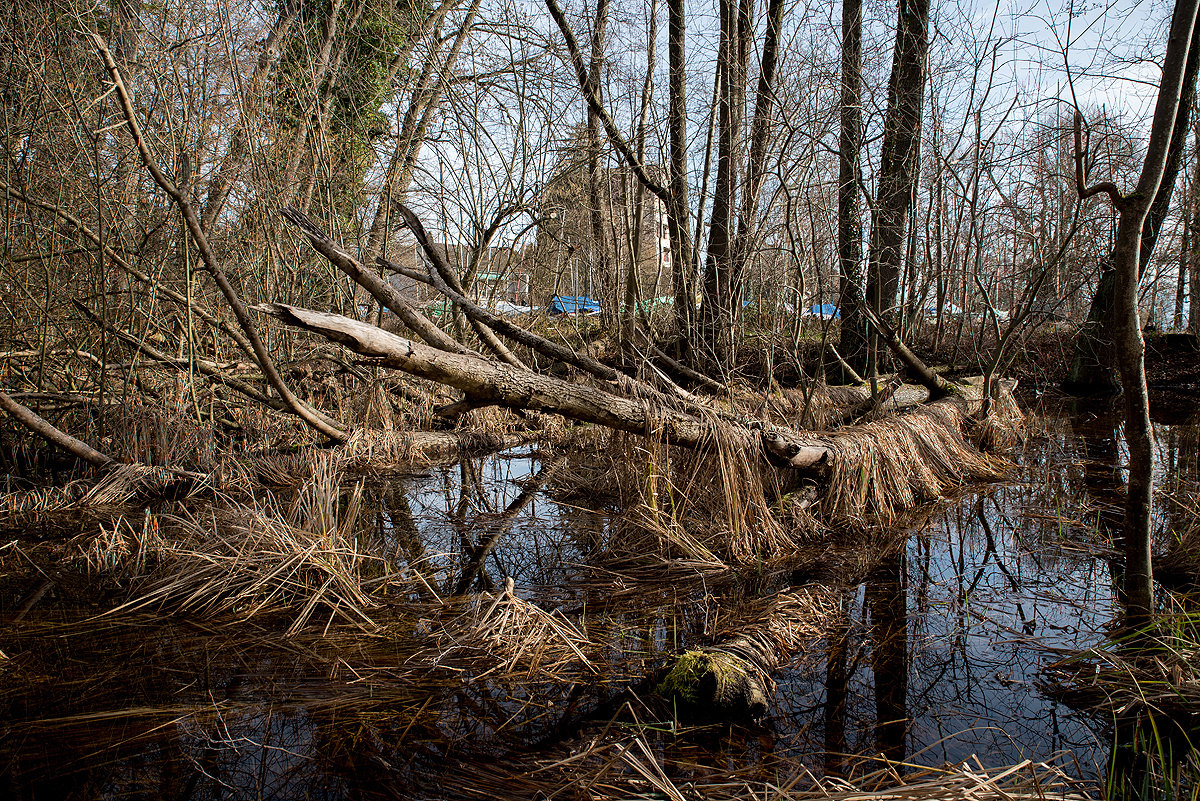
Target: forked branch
x=1104 y=187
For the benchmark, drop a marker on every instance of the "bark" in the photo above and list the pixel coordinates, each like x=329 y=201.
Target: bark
x=852 y=298
x=42 y=428
x=487 y=382
x=722 y=303
x=1193 y=321
x=678 y=219
x=601 y=255
x=898 y=163
x=1185 y=247
x=1128 y=257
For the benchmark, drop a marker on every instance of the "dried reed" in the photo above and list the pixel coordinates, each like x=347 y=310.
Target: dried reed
x=249 y=559
x=711 y=505
x=124 y=483
x=620 y=762
x=124 y=545
x=885 y=467
x=512 y=635
x=1152 y=674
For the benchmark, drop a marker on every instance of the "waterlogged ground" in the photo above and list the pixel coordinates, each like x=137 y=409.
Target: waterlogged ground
x=937 y=661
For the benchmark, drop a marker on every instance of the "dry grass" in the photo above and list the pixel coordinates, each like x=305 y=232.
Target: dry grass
x=771 y=631
x=118 y=485
x=510 y=635
x=247 y=559
x=882 y=468
x=1149 y=675
x=124 y=544
x=124 y=483
x=621 y=762
x=162 y=436
x=712 y=505
x=41 y=500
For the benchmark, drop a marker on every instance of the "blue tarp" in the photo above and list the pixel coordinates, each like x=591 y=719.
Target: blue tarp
x=561 y=304
x=826 y=311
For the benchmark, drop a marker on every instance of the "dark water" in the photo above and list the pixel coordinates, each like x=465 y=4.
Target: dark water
x=938 y=662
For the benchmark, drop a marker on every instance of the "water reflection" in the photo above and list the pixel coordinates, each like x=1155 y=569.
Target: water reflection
x=934 y=662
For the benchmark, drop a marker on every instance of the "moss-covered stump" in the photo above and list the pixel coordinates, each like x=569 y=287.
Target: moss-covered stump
x=715 y=684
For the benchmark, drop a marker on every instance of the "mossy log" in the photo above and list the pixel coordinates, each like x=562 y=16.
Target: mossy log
x=714 y=684
x=731 y=679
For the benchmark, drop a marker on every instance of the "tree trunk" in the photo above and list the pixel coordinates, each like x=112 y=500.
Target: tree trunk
x=898 y=164
x=1129 y=254
x=601 y=265
x=678 y=219
x=1091 y=371
x=721 y=306
x=853 y=344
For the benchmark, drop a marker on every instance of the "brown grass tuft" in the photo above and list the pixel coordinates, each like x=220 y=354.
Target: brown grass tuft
x=887 y=466
x=514 y=636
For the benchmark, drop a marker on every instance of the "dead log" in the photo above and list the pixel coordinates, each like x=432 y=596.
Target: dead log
x=731 y=679
x=499 y=384
x=44 y=429
x=873 y=469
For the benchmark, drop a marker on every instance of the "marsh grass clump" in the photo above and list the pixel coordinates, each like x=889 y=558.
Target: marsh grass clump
x=505 y=634
x=712 y=504
x=1152 y=675
x=885 y=467
x=244 y=559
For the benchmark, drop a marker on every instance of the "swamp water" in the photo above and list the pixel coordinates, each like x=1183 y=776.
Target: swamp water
x=937 y=662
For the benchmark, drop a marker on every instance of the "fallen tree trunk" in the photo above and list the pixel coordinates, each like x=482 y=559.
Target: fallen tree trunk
x=44 y=429
x=880 y=466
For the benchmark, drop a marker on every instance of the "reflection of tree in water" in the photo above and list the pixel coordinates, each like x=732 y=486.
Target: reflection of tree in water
x=932 y=663
x=887 y=601
x=936 y=666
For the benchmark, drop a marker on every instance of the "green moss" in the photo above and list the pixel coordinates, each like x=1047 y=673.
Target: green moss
x=725 y=674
